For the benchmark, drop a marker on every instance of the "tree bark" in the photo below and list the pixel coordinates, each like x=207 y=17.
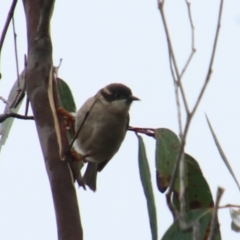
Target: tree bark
x=51 y=130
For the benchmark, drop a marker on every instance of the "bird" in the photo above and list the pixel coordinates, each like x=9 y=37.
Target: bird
x=106 y=117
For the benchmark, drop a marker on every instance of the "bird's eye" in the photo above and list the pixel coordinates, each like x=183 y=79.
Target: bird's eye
x=117 y=95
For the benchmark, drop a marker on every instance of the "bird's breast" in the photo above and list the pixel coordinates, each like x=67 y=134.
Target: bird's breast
x=102 y=134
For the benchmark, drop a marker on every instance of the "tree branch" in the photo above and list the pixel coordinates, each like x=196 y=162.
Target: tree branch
x=177 y=80
x=3 y=117
x=214 y=222
x=8 y=20
x=41 y=91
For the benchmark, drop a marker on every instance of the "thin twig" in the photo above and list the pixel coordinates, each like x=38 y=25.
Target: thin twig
x=4 y=100
x=172 y=55
x=81 y=126
x=147 y=131
x=8 y=20
x=175 y=83
x=27 y=98
x=193 y=50
x=209 y=73
x=191 y=114
x=191 y=22
x=178 y=110
x=214 y=221
x=15 y=49
x=56 y=69
x=187 y=63
x=182 y=199
x=3 y=117
x=229 y=206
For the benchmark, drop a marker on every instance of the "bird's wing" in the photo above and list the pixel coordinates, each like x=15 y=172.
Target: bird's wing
x=104 y=163
x=101 y=165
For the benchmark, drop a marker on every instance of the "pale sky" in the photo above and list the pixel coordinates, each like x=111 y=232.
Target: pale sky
x=108 y=41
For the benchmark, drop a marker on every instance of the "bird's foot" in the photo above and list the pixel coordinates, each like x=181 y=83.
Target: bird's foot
x=69 y=119
x=79 y=157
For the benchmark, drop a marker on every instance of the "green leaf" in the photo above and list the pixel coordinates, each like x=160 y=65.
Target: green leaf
x=222 y=153
x=197 y=191
x=202 y=216
x=66 y=101
x=65 y=96
x=15 y=99
x=167 y=150
x=147 y=187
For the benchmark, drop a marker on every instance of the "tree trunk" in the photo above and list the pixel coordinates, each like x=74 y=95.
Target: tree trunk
x=51 y=130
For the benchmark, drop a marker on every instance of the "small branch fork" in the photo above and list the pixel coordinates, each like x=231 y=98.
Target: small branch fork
x=177 y=76
x=4 y=116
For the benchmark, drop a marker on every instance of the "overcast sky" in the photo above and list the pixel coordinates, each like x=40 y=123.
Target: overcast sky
x=108 y=41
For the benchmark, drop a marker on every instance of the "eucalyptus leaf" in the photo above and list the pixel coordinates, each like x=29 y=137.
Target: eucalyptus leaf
x=167 y=151
x=201 y=219
x=14 y=100
x=65 y=96
x=197 y=191
x=147 y=187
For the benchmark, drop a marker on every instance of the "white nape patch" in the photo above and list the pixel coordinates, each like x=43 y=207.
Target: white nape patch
x=107 y=91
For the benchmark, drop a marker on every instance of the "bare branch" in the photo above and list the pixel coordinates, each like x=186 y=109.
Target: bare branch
x=27 y=98
x=214 y=222
x=3 y=117
x=15 y=49
x=191 y=23
x=42 y=93
x=4 y=100
x=190 y=114
x=8 y=20
x=187 y=63
x=193 y=39
x=172 y=55
x=229 y=206
x=209 y=73
x=56 y=69
x=147 y=131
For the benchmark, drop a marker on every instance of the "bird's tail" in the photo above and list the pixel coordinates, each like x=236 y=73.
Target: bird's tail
x=90 y=176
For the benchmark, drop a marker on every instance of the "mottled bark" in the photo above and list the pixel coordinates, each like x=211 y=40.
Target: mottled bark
x=41 y=92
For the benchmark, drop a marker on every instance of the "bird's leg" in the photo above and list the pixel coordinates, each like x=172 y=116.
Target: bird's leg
x=79 y=157
x=69 y=119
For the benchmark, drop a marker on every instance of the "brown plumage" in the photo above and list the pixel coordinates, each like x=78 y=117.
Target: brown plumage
x=105 y=128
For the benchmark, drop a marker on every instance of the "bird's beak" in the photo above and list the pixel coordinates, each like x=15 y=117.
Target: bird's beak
x=133 y=98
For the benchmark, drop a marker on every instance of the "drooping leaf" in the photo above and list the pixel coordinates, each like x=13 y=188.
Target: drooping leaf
x=147 y=187
x=65 y=96
x=197 y=191
x=167 y=150
x=15 y=99
x=200 y=216
x=222 y=153
x=67 y=103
